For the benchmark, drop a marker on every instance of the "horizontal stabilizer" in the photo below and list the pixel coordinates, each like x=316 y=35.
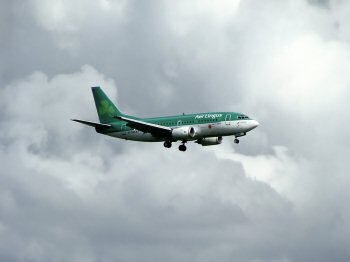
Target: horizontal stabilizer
x=93 y=124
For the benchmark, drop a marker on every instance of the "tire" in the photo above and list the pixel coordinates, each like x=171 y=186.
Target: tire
x=182 y=148
x=167 y=144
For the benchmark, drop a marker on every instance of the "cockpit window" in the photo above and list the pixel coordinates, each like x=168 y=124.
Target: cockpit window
x=242 y=117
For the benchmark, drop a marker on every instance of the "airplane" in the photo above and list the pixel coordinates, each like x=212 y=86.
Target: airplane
x=205 y=129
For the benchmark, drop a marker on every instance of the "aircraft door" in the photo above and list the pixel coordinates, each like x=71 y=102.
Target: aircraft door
x=228 y=119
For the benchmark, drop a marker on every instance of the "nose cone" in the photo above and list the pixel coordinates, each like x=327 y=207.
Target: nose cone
x=252 y=124
x=255 y=123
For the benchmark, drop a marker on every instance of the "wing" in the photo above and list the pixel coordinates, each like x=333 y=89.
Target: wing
x=156 y=130
x=93 y=124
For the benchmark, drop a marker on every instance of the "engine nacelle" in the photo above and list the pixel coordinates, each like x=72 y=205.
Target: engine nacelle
x=184 y=132
x=210 y=141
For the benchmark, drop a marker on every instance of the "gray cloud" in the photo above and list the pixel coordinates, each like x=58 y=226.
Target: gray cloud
x=67 y=193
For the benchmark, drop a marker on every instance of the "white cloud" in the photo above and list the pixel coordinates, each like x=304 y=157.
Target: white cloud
x=309 y=75
x=277 y=169
x=184 y=16
x=63 y=15
x=66 y=18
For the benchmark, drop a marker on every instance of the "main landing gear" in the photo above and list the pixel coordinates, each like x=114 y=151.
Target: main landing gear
x=236 y=140
x=182 y=147
x=167 y=144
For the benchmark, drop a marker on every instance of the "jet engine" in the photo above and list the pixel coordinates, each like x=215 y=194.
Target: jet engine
x=210 y=141
x=184 y=132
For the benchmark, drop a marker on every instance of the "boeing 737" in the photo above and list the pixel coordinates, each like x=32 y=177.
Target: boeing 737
x=205 y=129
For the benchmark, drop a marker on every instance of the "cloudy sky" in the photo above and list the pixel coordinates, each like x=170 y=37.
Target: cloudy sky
x=69 y=194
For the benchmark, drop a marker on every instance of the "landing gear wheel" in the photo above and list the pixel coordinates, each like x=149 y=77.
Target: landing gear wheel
x=182 y=148
x=167 y=144
x=236 y=141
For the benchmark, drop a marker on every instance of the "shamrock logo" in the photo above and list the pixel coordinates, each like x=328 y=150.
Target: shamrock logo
x=105 y=108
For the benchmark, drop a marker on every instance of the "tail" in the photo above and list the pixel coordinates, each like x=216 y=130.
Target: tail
x=106 y=110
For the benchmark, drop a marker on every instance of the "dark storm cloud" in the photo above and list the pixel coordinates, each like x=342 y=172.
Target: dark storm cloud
x=69 y=194
x=137 y=48
x=26 y=46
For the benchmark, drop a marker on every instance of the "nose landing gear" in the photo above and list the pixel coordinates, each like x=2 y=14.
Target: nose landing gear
x=238 y=135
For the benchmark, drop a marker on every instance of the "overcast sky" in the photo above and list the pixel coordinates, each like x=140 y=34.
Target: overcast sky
x=69 y=194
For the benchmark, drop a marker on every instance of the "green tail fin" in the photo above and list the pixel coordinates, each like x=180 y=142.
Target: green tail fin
x=105 y=108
